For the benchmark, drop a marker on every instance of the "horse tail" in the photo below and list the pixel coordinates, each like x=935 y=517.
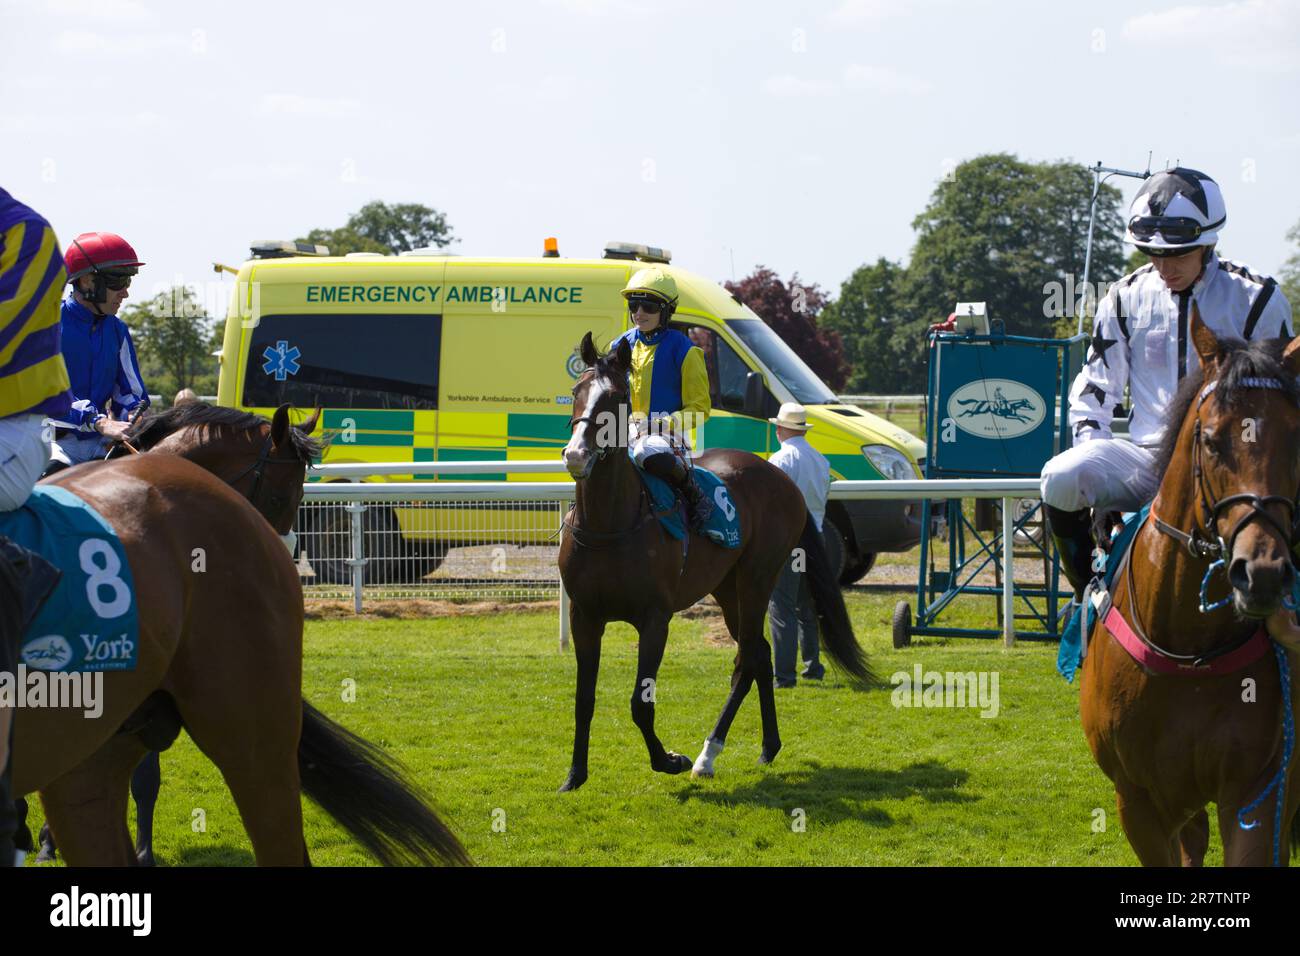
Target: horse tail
x=836 y=628
x=368 y=794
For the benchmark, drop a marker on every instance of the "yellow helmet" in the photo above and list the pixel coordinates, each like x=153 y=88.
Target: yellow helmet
x=652 y=281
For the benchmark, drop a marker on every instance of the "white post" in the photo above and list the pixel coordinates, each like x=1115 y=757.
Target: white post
x=1008 y=569
x=358 y=561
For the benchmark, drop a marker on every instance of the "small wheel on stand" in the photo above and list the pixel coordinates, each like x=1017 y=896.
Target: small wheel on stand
x=902 y=624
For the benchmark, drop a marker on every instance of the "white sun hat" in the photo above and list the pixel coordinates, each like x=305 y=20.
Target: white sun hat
x=792 y=415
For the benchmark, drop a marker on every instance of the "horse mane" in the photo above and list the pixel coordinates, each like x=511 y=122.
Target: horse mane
x=1238 y=361
x=152 y=428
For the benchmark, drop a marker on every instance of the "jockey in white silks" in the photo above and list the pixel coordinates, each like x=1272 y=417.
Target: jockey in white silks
x=1141 y=341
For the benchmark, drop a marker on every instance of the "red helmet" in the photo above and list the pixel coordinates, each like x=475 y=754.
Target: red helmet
x=99 y=250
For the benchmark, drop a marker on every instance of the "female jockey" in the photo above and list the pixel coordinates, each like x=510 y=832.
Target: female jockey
x=670 y=388
x=33 y=384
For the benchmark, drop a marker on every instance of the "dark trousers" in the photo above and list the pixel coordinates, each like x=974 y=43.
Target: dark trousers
x=794 y=626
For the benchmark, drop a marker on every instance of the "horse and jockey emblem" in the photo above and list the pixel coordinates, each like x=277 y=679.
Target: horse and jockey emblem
x=996 y=408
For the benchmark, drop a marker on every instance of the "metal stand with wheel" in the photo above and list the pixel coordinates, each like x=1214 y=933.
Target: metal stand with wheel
x=997 y=407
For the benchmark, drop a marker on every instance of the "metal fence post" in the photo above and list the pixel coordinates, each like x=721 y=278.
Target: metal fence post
x=1008 y=569
x=358 y=559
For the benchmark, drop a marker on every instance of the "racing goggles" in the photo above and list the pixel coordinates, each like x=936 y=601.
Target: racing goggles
x=117 y=281
x=646 y=303
x=1176 y=230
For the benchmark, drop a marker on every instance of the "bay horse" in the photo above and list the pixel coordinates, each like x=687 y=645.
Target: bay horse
x=220 y=653
x=618 y=564
x=1202 y=720
x=266 y=461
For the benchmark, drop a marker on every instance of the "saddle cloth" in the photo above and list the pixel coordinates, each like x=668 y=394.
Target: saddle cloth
x=1070 y=654
x=723 y=526
x=90 y=621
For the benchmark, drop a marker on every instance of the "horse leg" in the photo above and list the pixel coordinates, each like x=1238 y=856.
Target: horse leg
x=1252 y=847
x=1151 y=837
x=653 y=633
x=741 y=681
x=86 y=807
x=1194 y=839
x=145 y=784
x=756 y=657
x=586 y=631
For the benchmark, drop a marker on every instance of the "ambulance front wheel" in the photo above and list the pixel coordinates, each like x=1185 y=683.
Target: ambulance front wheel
x=902 y=624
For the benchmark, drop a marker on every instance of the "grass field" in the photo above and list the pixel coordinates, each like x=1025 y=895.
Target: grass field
x=480 y=708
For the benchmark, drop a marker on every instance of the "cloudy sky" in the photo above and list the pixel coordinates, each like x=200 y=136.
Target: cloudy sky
x=802 y=136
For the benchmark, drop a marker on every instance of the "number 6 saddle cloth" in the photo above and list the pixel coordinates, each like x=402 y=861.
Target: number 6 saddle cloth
x=723 y=526
x=90 y=621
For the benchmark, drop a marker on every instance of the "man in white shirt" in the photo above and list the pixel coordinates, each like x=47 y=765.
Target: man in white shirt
x=1142 y=341
x=791 y=610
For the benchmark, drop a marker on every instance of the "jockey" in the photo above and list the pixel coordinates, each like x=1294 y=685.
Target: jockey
x=33 y=384
x=670 y=387
x=105 y=374
x=1141 y=341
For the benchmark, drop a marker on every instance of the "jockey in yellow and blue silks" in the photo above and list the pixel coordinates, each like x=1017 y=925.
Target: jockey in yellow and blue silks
x=669 y=386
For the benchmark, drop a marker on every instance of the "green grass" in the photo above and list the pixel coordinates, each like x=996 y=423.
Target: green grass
x=481 y=710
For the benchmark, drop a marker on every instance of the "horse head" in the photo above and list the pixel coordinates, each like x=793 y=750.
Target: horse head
x=600 y=402
x=1244 y=437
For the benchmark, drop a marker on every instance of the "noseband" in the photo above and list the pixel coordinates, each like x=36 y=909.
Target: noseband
x=1204 y=540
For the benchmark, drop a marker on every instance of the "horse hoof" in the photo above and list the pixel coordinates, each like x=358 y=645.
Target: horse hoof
x=701 y=773
x=572 y=782
x=145 y=857
x=769 y=754
x=678 y=763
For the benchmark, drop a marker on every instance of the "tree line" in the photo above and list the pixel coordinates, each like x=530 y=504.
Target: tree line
x=996 y=229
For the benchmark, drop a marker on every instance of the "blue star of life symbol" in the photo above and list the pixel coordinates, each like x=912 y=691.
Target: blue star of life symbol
x=281 y=361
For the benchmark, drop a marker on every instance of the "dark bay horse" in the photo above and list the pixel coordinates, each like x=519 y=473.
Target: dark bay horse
x=1202 y=719
x=220 y=652
x=618 y=564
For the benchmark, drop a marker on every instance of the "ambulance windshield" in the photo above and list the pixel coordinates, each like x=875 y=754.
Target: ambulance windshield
x=782 y=362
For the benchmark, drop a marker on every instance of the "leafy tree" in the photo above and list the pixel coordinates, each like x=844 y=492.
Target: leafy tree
x=1012 y=234
x=379 y=227
x=791 y=311
x=174 y=339
x=871 y=318
x=1289 y=275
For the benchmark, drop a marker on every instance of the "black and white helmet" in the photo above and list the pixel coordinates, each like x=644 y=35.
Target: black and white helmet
x=1176 y=210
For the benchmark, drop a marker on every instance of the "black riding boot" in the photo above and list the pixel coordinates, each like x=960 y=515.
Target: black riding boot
x=26 y=581
x=670 y=468
x=1072 y=534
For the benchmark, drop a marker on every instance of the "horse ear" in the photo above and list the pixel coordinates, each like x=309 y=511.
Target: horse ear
x=623 y=355
x=280 y=426
x=1291 y=356
x=309 y=426
x=1207 y=345
x=588 y=351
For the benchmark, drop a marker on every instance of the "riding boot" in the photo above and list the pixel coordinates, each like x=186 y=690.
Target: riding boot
x=31 y=578
x=670 y=468
x=1072 y=534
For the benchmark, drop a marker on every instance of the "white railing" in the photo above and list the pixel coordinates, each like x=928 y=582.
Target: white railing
x=355 y=495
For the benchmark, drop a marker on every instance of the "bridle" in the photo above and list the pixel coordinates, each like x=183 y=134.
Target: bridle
x=275 y=502
x=605 y=539
x=1204 y=540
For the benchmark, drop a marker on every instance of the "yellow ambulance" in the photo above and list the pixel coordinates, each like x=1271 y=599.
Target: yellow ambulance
x=428 y=357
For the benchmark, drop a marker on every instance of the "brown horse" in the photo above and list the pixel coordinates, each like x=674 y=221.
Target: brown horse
x=618 y=564
x=1201 y=720
x=220 y=653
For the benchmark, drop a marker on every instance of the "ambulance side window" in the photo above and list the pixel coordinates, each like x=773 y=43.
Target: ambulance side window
x=727 y=370
x=344 y=361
